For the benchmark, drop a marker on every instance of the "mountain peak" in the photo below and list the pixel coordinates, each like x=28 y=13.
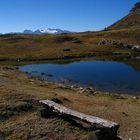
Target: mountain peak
x=46 y=31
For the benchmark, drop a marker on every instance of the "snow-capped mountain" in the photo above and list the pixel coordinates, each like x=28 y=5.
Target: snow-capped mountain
x=46 y=31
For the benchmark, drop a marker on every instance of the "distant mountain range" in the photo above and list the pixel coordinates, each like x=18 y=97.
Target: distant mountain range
x=46 y=31
x=42 y=31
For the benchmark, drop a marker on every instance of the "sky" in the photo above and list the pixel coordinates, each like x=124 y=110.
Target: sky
x=73 y=15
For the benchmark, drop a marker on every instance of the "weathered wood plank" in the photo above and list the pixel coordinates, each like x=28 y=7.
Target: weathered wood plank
x=95 y=121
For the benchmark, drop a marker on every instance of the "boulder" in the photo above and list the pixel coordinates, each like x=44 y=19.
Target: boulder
x=76 y=40
x=103 y=42
x=136 y=48
x=136 y=97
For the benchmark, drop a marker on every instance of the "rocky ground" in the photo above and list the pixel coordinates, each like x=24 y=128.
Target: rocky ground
x=19 y=109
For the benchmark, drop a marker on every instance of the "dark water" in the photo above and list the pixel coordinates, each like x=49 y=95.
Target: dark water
x=104 y=75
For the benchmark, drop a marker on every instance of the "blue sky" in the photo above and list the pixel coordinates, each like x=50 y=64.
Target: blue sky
x=74 y=15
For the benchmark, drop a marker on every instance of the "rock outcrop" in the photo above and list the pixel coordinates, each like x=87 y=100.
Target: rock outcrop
x=118 y=44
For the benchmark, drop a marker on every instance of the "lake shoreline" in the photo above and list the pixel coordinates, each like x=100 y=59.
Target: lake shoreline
x=102 y=80
x=119 y=57
x=91 y=90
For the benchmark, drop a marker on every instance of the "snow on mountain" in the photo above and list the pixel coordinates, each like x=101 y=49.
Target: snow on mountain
x=46 y=31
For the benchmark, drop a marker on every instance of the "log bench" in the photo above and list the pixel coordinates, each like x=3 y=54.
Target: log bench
x=108 y=127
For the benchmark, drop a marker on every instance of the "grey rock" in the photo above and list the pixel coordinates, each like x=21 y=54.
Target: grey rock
x=136 y=48
x=136 y=97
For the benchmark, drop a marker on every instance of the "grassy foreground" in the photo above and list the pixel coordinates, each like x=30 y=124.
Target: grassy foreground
x=19 y=107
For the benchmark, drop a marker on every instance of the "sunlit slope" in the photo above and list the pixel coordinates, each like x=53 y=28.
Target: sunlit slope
x=132 y=20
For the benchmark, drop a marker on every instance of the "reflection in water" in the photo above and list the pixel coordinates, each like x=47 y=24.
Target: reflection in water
x=104 y=75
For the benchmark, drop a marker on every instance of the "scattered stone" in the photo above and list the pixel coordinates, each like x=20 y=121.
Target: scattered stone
x=96 y=92
x=118 y=44
x=32 y=80
x=120 y=138
x=137 y=57
x=136 y=48
x=125 y=114
x=76 y=40
x=81 y=88
x=91 y=89
x=136 y=97
x=31 y=83
x=102 y=42
x=74 y=87
x=88 y=90
x=82 y=91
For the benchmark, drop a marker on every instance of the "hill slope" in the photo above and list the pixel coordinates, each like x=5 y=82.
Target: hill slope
x=132 y=20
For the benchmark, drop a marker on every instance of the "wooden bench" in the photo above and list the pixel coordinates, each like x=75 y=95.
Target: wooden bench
x=99 y=123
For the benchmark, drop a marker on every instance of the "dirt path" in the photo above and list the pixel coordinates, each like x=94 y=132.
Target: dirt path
x=19 y=118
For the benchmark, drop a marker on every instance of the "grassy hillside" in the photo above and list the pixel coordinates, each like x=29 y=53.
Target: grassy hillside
x=64 y=46
x=132 y=20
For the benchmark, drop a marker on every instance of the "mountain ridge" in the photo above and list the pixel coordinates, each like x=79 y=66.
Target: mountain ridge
x=46 y=31
x=41 y=31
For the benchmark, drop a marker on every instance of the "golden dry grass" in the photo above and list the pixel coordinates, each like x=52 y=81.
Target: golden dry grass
x=30 y=47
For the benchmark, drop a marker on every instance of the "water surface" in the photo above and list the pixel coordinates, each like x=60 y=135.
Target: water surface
x=104 y=75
